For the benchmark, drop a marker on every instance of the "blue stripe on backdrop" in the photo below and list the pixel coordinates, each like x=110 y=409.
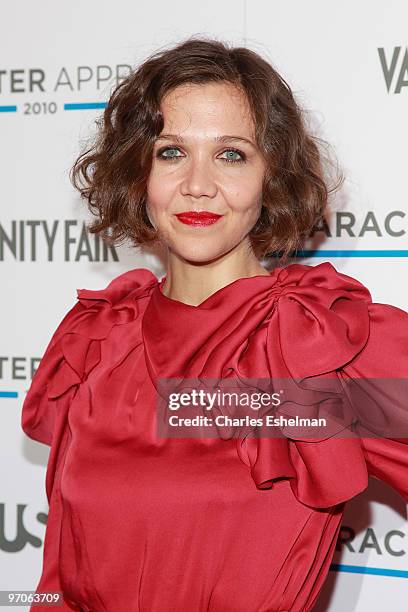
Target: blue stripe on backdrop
x=84 y=105
x=376 y=571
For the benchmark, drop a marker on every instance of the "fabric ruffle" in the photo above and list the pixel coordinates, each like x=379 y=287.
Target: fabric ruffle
x=75 y=347
x=324 y=331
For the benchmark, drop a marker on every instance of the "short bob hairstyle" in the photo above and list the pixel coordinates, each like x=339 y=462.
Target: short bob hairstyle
x=112 y=173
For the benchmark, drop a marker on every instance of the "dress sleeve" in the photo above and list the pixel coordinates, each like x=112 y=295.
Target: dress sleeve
x=384 y=362
x=73 y=351
x=43 y=419
x=38 y=416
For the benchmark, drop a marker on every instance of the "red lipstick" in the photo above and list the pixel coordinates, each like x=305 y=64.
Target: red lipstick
x=203 y=217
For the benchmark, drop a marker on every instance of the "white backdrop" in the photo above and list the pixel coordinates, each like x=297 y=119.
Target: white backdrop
x=347 y=64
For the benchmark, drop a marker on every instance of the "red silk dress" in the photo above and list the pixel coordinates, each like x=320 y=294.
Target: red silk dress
x=142 y=524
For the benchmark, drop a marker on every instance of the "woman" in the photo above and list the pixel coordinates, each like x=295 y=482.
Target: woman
x=204 y=151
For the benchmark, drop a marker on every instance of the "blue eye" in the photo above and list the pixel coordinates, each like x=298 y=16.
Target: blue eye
x=161 y=153
x=167 y=153
x=231 y=159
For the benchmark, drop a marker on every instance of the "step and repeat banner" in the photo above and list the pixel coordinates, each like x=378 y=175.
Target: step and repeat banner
x=347 y=64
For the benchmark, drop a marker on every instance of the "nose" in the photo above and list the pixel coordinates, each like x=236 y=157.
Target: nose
x=198 y=180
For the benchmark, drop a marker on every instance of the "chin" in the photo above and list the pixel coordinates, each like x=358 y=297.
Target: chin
x=200 y=256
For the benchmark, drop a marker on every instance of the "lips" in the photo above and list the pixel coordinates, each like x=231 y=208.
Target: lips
x=202 y=217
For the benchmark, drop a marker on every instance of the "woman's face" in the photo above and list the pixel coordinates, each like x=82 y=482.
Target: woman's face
x=205 y=159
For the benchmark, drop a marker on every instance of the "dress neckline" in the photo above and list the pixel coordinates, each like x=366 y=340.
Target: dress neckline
x=218 y=294
x=188 y=334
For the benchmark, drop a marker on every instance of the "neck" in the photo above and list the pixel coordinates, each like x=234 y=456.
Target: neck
x=193 y=283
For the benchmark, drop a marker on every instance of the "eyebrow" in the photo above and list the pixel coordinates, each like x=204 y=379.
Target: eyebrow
x=225 y=138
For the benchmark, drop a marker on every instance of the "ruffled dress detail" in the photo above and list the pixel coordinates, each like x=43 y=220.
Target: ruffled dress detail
x=142 y=524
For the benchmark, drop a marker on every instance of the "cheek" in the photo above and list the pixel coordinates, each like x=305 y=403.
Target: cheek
x=243 y=189
x=159 y=193
x=245 y=198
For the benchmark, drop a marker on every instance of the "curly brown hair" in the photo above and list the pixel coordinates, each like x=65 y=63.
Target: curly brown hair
x=112 y=172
